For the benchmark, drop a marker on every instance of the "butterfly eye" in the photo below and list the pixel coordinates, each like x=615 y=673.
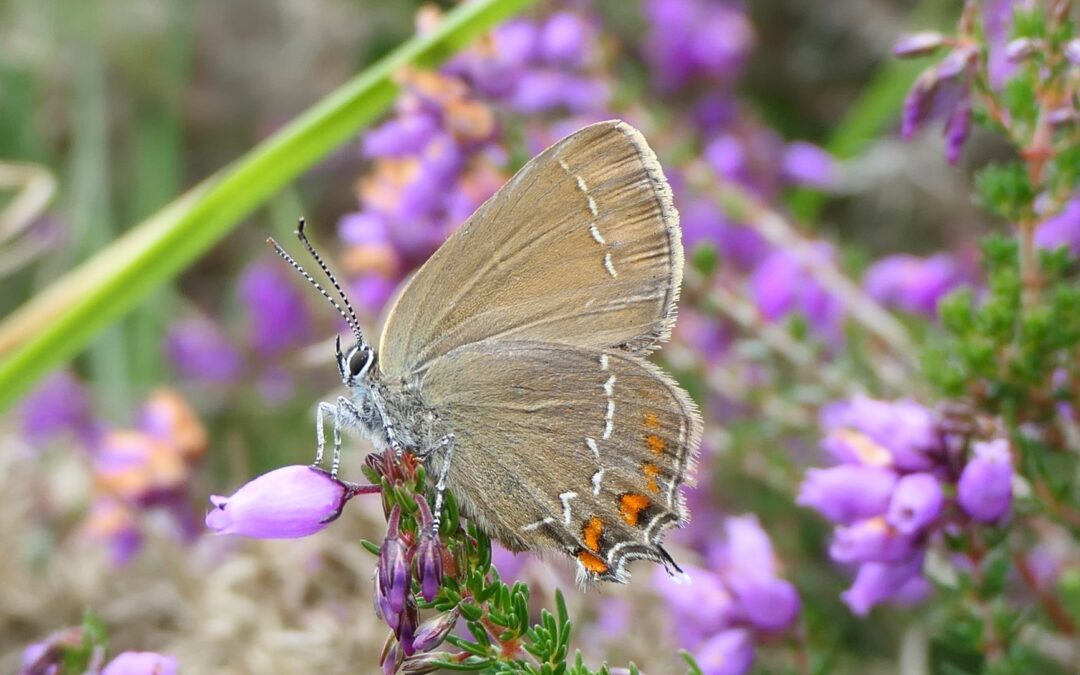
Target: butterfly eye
x=358 y=361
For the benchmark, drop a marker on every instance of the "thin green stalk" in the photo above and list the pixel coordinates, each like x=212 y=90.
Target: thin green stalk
x=60 y=321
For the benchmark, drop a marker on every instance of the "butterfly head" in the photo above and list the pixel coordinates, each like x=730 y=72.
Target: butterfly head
x=354 y=364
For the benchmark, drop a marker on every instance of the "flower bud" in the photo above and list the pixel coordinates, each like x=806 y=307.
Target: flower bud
x=877 y=582
x=918 y=44
x=422 y=664
x=916 y=502
x=393 y=567
x=290 y=502
x=406 y=630
x=1022 y=49
x=985 y=487
x=1072 y=51
x=432 y=632
x=428 y=552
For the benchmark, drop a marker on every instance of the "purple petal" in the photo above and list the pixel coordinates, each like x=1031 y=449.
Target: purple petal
x=985 y=487
x=290 y=502
x=847 y=493
x=769 y=603
x=730 y=652
x=918 y=44
x=870 y=540
x=807 y=164
x=916 y=503
x=142 y=663
x=878 y=582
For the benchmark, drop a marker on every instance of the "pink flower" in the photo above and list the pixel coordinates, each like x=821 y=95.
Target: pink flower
x=290 y=502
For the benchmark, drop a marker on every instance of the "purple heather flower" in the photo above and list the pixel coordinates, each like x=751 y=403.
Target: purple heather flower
x=142 y=663
x=782 y=284
x=702 y=223
x=918 y=44
x=566 y=39
x=693 y=39
x=290 y=502
x=726 y=156
x=400 y=136
x=59 y=405
x=407 y=624
x=916 y=502
x=729 y=652
x=278 y=318
x=702 y=606
x=768 y=603
x=943 y=91
x=807 y=164
x=847 y=493
x=985 y=487
x=432 y=632
x=1072 y=51
x=870 y=540
x=40 y=658
x=393 y=566
x=113 y=523
x=428 y=552
x=862 y=427
x=877 y=582
x=997 y=25
x=201 y=351
x=957 y=126
x=1062 y=228
x=911 y=283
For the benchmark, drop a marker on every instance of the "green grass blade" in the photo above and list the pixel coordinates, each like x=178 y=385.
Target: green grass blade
x=59 y=322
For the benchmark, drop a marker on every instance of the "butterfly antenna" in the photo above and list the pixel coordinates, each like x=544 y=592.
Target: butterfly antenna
x=296 y=266
x=351 y=319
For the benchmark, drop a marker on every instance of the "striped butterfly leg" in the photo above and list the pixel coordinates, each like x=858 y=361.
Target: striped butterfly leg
x=342 y=410
x=564 y=448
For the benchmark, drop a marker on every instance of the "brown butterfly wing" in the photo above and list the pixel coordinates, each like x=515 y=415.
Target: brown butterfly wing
x=576 y=449
x=582 y=246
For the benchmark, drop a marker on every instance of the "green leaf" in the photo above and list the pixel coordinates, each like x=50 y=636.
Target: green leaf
x=60 y=321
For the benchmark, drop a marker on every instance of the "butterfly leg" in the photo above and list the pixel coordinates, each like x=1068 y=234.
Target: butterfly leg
x=446 y=442
x=388 y=426
x=348 y=411
x=320 y=434
x=343 y=409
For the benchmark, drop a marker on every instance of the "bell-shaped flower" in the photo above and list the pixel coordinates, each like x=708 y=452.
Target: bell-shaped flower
x=290 y=502
x=985 y=487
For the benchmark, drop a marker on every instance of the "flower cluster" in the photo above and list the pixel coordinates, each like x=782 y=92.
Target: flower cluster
x=900 y=478
x=146 y=467
x=913 y=284
x=737 y=595
x=439 y=157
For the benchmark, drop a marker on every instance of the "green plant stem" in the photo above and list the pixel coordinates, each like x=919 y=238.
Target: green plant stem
x=58 y=323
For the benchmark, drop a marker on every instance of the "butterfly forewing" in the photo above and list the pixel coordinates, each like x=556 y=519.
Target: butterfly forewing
x=576 y=449
x=581 y=247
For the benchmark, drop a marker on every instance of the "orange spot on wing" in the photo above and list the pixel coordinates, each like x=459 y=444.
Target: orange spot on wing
x=651 y=471
x=652 y=420
x=631 y=505
x=591 y=533
x=656 y=444
x=591 y=563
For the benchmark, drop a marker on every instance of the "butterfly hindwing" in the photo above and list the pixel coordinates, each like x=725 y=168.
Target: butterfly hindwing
x=577 y=449
x=582 y=246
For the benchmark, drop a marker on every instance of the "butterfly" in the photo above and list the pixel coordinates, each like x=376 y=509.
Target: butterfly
x=513 y=363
